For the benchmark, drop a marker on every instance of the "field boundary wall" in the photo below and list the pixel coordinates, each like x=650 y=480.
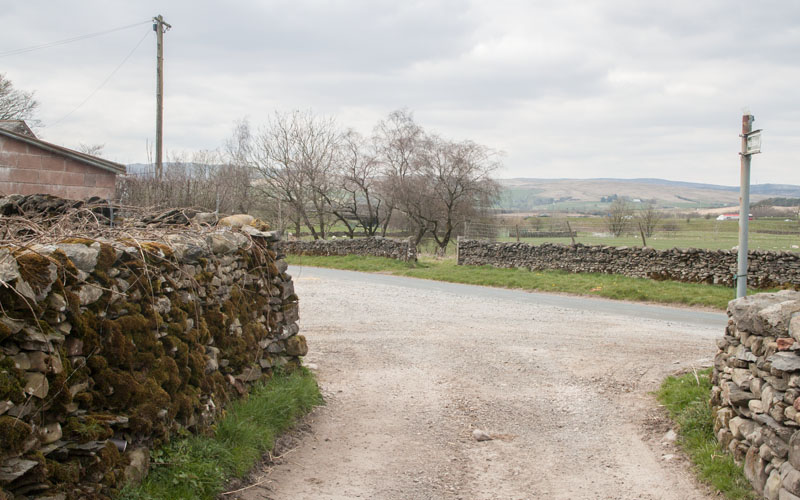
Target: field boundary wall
x=766 y=269
x=403 y=250
x=109 y=347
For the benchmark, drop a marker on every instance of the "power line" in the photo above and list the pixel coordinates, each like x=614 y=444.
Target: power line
x=104 y=81
x=69 y=40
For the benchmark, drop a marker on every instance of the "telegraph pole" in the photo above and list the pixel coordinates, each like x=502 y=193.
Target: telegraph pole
x=751 y=144
x=159 y=26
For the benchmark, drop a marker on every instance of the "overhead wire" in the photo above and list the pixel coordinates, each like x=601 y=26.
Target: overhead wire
x=70 y=40
x=104 y=81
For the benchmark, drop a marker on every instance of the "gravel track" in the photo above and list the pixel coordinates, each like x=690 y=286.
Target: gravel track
x=408 y=373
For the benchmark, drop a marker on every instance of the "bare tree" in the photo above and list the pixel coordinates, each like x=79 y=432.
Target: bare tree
x=458 y=178
x=355 y=199
x=397 y=141
x=619 y=217
x=293 y=158
x=205 y=180
x=16 y=104
x=91 y=149
x=648 y=218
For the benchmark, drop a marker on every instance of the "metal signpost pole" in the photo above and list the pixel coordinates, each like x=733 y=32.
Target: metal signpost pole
x=751 y=144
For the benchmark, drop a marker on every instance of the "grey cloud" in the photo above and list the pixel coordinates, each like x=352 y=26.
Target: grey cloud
x=567 y=87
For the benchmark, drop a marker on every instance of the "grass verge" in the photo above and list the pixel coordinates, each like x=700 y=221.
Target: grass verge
x=198 y=467
x=611 y=286
x=686 y=398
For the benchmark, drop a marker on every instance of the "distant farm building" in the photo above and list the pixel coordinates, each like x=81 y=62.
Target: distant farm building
x=733 y=217
x=29 y=165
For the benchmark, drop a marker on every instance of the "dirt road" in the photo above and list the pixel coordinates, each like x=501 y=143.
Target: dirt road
x=409 y=373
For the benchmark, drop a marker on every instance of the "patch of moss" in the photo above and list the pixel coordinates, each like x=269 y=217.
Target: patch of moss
x=67 y=272
x=64 y=472
x=117 y=346
x=5 y=332
x=59 y=393
x=12 y=382
x=13 y=434
x=81 y=327
x=96 y=363
x=119 y=386
x=166 y=374
x=196 y=365
x=87 y=429
x=182 y=406
x=143 y=419
x=203 y=277
x=84 y=399
x=123 y=308
x=78 y=241
x=45 y=327
x=156 y=249
x=38 y=474
x=255 y=330
x=217 y=324
x=18 y=307
x=106 y=257
x=106 y=460
x=102 y=278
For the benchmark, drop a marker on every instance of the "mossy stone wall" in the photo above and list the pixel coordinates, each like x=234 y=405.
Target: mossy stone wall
x=109 y=347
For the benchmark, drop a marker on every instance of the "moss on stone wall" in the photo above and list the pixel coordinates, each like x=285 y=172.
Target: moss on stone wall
x=139 y=346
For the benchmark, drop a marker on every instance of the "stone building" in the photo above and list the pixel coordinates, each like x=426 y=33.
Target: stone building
x=29 y=165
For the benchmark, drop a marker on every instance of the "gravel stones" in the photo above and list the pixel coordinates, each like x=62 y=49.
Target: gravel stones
x=479 y=435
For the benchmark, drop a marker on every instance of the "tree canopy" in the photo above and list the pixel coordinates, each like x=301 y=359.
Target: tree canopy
x=16 y=104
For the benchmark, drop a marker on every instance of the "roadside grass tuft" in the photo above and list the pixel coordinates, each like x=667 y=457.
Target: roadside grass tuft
x=610 y=286
x=686 y=398
x=198 y=467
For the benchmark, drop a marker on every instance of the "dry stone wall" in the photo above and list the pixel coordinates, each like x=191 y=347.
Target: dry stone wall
x=109 y=347
x=376 y=246
x=693 y=265
x=755 y=399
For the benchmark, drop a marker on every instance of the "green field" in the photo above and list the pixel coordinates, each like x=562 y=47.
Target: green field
x=764 y=234
x=670 y=233
x=611 y=286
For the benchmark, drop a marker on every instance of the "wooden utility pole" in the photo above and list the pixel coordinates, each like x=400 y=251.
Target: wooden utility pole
x=159 y=26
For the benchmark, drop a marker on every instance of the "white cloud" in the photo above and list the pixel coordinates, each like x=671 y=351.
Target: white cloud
x=611 y=88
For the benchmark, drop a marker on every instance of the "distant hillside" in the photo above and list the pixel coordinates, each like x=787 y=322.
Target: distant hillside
x=594 y=195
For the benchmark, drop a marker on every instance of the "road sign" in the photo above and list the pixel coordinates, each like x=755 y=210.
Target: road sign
x=753 y=143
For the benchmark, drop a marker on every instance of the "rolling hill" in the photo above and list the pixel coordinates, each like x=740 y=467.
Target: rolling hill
x=588 y=195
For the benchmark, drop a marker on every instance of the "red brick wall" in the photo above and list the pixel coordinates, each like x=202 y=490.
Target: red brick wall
x=26 y=169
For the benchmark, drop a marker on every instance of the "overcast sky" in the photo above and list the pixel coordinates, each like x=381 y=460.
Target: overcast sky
x=607 y=88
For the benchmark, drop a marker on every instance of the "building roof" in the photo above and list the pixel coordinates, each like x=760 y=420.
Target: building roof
x=18 y=130
x=18 y=126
